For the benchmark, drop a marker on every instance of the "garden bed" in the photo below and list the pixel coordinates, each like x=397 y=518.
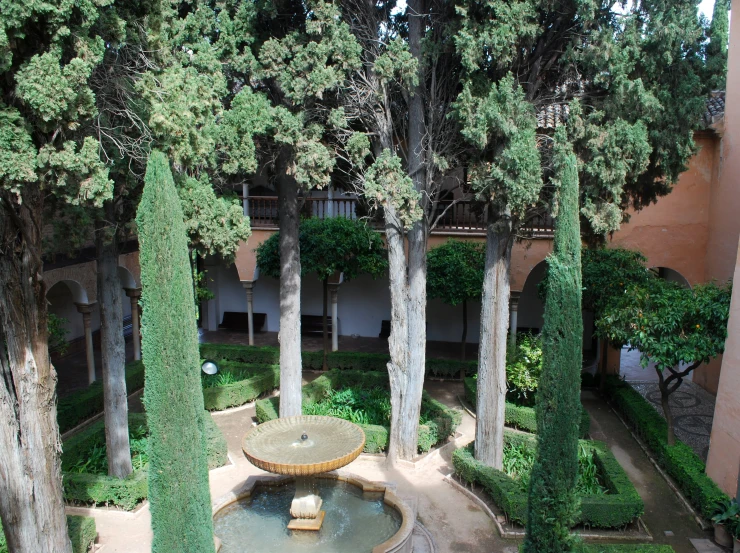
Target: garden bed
x=363 y=398
x=85 y=470
x=679 y=461
x=238 y=383
x=521 y=417
x=342 y=360
x=82 y=405
x=608 y=500
x=81 y=531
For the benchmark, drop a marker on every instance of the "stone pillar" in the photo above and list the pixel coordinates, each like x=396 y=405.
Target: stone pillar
x=334 y=291
x=86 y=310
x=513 y=313
x=249 y=287
x=134 y=294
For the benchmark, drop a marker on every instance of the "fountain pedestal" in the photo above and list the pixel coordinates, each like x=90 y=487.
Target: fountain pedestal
x=306 y=505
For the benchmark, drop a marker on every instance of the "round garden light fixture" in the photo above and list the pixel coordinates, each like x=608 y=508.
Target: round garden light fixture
x=209 y=367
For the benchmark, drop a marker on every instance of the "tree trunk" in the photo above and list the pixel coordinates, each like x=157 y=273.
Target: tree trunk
x=113 y=353
x=664 y=402
x=31 y=505
x=325 y=366
x=290 y=290
x=407 y=381
x=463 y=340
x=494 y=324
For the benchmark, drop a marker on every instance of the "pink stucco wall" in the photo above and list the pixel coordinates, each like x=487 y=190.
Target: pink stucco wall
x=723 y=257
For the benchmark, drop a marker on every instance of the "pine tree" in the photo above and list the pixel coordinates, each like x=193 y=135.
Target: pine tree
x=178 y=469
x=552 y=500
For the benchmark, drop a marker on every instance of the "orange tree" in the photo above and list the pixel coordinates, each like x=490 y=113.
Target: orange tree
x=676 y=328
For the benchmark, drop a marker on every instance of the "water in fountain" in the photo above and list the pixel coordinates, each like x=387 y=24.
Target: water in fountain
x=355 y=521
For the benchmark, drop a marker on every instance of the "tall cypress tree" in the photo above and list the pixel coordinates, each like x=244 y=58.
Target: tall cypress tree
x=552 y=500
x=178 y=469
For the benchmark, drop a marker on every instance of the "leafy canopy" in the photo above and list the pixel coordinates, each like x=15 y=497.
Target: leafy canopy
x=669 y=324
x=328 y=246
x=455 y=271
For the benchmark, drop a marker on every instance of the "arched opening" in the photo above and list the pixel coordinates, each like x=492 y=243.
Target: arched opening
x=63 y=298
x=531 y=306
x=671 y=275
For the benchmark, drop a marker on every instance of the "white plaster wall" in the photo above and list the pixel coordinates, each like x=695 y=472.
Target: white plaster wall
x=62 y=305
x=363 y=304
x=444 y=322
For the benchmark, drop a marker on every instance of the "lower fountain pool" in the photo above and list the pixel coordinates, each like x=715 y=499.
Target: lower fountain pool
x=355 y=521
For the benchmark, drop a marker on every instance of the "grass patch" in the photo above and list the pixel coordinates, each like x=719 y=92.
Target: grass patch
x=614 y=504
x=365 y=396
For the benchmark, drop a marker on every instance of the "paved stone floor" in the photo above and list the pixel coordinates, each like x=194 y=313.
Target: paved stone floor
x=693 y=411
x=691 y=405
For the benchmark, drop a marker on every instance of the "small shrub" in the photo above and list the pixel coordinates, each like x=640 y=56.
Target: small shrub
x=238 y=383
x=523 y=369
x=615 y=503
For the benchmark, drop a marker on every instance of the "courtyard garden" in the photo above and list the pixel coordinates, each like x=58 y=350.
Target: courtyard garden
x=141 y=143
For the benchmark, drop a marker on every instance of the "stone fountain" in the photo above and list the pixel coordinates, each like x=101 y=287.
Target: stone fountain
x=303 y=447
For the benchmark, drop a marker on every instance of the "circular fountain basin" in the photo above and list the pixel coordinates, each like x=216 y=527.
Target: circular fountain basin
x=304 y=445
x=361 y=517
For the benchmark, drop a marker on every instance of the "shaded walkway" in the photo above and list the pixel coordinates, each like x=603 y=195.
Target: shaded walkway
x=664 y=512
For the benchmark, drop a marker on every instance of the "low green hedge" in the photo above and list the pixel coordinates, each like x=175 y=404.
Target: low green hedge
x=81 y=531
x=84 y=404
x=519 y=416
x=128 y=492
x=679 y=461
x=344 y=360
x=619 y=548
x=618 y=507
x=444 y=423
x=265 y=379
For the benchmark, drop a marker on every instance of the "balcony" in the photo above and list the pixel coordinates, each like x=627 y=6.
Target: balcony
x=460 y=217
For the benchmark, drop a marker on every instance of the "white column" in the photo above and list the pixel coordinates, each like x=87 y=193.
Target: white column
x=134 y=294
x=334 y=291
x=249 y=287
x=86 y=310
x=513 y=312
x=245 y=200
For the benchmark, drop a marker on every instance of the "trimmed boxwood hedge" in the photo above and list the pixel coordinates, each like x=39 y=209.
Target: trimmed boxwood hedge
x=84 y=404
x=344 y=360
x=265 y=379
x=519 y=416
x=612 y=510
x=619 y=548
x=444 y=424
x=81 y=530
x=679 y=461
x=128 y=492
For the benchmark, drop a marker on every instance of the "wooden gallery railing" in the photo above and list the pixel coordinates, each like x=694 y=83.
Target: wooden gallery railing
x=460 y=217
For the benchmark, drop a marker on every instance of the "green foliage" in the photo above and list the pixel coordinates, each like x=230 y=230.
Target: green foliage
x=328 y=246
x=81 y=531
x=178 y=478
x=85 y=471
x=553 y=500
x=455 y=271
x=387 y=185
x=522 y=417
x=616 y=508
x=363 y=397
x=523 y=368
x=719 y=36
x=500 y=124
x=669 y=324
x=313 y=360
x=607 y=273
x=237 y=384
x=680 y=462
x=727 y=513
x=79 y=406
x=57 y=334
